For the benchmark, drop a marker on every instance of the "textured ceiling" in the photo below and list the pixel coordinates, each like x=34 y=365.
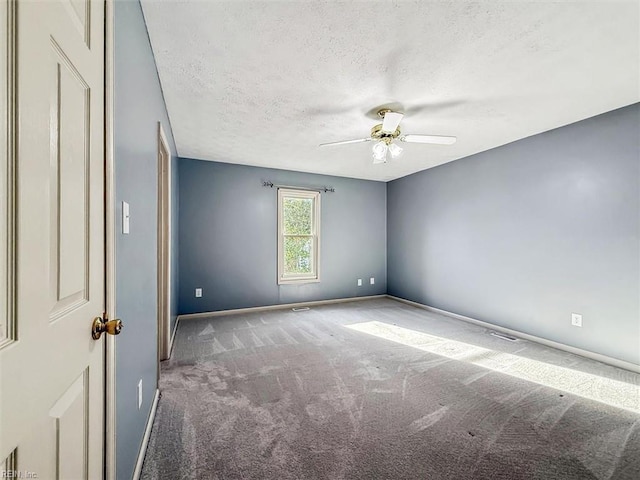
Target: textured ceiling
x=263 y=83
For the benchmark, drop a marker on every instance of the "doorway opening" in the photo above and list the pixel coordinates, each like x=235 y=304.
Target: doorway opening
x=164 y=247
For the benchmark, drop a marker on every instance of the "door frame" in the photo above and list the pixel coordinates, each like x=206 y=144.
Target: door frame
x=164 y=247
x=110 y=244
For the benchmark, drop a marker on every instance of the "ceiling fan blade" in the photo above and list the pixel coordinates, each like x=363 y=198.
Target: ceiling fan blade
x=435 y=139
x=391 y=121
x=345 y=142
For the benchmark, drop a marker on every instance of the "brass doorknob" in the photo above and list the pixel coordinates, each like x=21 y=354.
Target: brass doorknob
x=104 y=325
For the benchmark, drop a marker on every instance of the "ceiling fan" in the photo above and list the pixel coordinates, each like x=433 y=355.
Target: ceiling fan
x=385 y=133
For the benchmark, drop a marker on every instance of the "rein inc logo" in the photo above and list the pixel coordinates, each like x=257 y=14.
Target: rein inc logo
x=17 y=474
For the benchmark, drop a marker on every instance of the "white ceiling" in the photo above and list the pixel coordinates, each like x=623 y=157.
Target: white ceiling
x=263 y=83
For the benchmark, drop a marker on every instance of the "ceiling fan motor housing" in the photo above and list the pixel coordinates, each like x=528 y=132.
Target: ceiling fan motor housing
x=378 y=134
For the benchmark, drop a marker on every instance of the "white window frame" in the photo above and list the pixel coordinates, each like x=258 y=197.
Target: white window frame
x=284 y=279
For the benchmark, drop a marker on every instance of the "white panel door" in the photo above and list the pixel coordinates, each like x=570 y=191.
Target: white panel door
x=51 y=219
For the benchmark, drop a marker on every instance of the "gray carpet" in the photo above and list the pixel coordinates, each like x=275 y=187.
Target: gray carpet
x=319 y=394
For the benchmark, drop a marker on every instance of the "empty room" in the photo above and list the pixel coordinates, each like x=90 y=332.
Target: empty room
x=320 y=240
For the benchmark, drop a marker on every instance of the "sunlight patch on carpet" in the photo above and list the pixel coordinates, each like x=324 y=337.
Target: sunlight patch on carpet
x=612 y=392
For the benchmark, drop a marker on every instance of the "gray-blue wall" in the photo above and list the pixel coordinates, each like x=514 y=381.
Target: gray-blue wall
x=228 y=237
x=525 y=234
x=139 y=106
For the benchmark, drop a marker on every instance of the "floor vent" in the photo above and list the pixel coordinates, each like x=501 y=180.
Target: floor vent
x=504 y=336
x=300 y=309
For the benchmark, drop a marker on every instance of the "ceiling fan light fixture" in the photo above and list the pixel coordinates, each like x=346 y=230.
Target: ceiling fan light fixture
x=380 y=151
x=395 y=150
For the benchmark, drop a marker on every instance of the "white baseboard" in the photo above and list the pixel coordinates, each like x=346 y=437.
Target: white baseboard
x=282 y=306
x=550 y=343
x=145 y=439
x=173 y=335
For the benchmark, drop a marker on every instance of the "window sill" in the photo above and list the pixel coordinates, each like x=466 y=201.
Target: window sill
x=297 y=281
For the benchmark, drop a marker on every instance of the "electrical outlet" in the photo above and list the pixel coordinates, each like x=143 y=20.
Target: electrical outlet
x=372 y=281
x=576 y=319
x=140 y=394
x=198 y=292
x=359 y=282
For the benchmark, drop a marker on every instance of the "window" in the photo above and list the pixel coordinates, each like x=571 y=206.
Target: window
x=298 y=236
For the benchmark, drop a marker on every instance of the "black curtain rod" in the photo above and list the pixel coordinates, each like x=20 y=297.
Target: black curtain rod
x=312 y=189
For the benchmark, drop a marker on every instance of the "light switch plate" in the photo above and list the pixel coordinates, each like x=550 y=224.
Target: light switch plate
x=125 y=218
x=198 y=292
x=372 y=281
x=359 y=282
